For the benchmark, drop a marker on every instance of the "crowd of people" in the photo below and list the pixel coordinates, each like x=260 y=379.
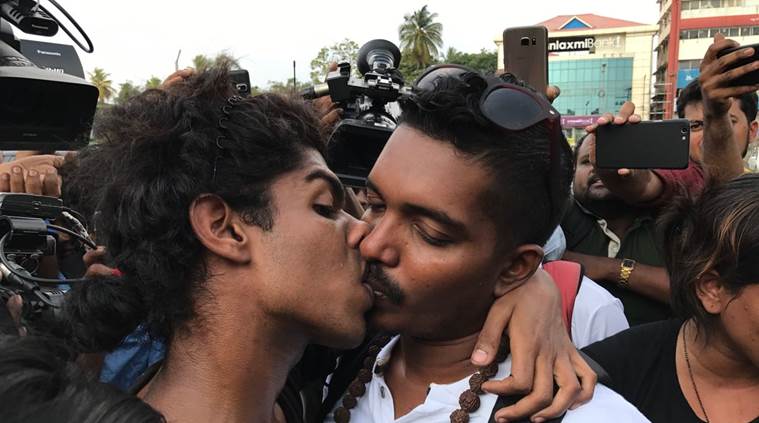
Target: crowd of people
x=489 y=273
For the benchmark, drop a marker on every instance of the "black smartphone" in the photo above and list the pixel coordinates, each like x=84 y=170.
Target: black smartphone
x=751 y=78
x=525 y=55
x=241 y=80
x=659 y=144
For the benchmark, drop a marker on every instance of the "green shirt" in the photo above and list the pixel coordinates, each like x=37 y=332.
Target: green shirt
x=588 y=234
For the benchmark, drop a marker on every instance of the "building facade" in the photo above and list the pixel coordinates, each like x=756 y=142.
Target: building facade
x=690 y=25
x=599 y=63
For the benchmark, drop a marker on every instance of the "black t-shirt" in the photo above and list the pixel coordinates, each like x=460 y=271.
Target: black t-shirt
x=291 y=400
x=641 y=364
x=641 y=243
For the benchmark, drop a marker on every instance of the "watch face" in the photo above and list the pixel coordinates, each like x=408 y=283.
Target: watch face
x=628 y=263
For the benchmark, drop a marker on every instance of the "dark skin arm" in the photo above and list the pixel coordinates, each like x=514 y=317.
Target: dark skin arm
x=541 y=351
x=721 y=153
x=649 y=281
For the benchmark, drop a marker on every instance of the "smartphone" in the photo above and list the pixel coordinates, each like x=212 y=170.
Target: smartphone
x=241 y=80
x=751 y=78
x=658 y=144
x=525 y=55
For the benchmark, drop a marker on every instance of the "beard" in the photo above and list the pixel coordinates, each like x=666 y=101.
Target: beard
x=599 y=200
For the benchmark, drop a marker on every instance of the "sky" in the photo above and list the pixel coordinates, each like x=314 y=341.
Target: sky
x=137 y=39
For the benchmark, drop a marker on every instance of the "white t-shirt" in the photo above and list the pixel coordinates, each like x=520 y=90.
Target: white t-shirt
x=597 y=314
x=376 y=405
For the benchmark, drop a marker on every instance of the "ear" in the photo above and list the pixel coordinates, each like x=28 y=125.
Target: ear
x=523 y=264
x=219 y=229
x=712 y=293
x=753 y=128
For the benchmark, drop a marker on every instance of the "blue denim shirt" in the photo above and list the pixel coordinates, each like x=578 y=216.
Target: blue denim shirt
x=131 y=358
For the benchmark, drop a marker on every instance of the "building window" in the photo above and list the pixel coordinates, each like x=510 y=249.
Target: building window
x=592 y=86
x=735 y=31
x=711 y=4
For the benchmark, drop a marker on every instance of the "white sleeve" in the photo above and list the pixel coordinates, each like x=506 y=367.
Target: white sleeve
x=606 y=406
x=597 y=314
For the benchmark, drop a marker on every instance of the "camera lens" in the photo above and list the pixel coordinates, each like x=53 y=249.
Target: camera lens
x=684 y=130
x=525 y=41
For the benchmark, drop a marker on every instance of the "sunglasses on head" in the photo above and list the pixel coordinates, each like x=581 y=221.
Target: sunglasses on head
x=509 y=106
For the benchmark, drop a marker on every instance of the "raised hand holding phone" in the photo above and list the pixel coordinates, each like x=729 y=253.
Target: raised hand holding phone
x=525 y=55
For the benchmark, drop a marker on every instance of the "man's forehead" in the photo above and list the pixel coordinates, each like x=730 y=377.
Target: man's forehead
x=735 y=109
x=694 y=110
x=416 y=168
x=584 y=149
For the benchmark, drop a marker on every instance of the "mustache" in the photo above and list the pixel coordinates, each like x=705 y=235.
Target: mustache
x=592 y=179
x=380 y=281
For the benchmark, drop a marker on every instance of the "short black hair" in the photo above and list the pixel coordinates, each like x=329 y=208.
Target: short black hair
x=162 y=150
x=42 y=383
x=576 y=150
x=530 y=188
x=719 y=231
x=692 y=94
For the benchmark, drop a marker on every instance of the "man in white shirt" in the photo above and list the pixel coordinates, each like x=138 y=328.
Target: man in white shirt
x=597 y=314
x=467 y=189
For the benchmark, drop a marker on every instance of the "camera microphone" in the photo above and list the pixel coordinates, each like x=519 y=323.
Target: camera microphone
x=315 y=91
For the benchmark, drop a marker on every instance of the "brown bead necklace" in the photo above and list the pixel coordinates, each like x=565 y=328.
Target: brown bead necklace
x=469 y=401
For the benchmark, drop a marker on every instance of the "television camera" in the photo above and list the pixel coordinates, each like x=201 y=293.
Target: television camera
x=367 y=121
x=40 y=109
x=30 y=227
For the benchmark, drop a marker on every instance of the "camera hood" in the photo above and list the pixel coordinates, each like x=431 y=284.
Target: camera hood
x=41 y=109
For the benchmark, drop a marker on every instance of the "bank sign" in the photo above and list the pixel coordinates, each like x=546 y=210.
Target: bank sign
x=564 y=44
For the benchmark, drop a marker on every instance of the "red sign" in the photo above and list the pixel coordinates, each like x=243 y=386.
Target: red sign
x=719 y=21
x=578 y=121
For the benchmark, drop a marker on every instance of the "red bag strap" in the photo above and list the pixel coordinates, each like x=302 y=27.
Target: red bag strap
x=568 y=276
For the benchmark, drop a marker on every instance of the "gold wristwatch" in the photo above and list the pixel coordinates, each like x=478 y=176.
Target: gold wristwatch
x=625 y=270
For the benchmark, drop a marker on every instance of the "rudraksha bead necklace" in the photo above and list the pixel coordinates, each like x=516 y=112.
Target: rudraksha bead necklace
x=469 y=401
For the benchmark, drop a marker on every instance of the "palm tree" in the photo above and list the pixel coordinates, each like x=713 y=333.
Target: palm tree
x=102 y=82
x=421 y=37
x=153 y=82
x=225 y=58
x=201 y=62
x=127 y=90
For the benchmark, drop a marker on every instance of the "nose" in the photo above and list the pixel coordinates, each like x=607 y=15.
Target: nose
x=378 y=245
x=357 y=231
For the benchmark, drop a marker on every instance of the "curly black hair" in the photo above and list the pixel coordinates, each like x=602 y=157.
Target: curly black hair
x=42 y=383
x=531 y=168
x=163 y=149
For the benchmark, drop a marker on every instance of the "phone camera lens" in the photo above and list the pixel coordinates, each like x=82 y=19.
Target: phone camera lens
x=684 y=130
x=525 y=41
